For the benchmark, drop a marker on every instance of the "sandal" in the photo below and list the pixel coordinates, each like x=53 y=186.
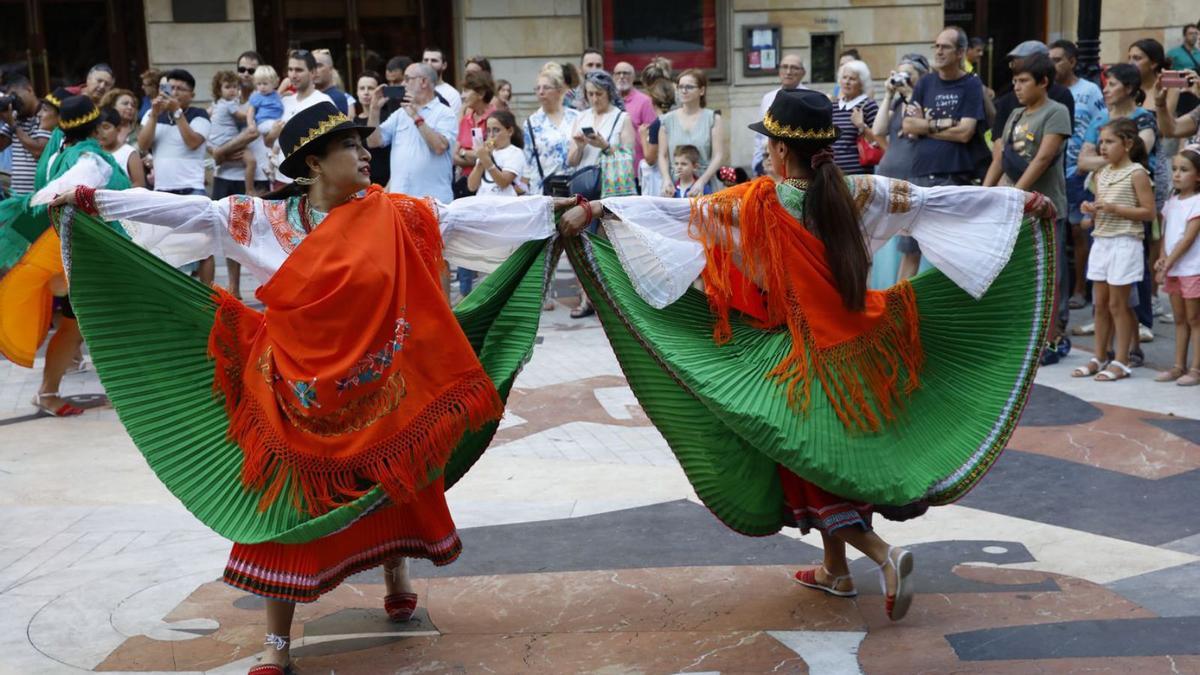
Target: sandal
x=897 y=605
x=280 y=643
x=1137 y=358
x=1087 y=329
x=400 y=606
x=808 y=579
x=1077 y=302
x=1107 y=375
x=1190 y=380
x=1170 y=375
x=1093 y=366
x=582 y=311
x=64 y=410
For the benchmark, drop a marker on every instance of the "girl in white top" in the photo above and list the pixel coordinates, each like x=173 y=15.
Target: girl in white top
x=125 y=155
x=501 y=160
x=1179 y=270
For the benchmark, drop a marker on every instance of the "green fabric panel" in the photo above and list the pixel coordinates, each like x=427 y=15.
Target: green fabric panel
x=147 y=327
x=980 y=359
x=736 y=482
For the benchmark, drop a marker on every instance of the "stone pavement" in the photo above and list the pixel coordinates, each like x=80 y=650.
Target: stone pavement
x=587 y=551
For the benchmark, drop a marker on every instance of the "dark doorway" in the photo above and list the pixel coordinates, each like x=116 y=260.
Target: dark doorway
x=1004 y=24
x=361 y=34
x=55 y=42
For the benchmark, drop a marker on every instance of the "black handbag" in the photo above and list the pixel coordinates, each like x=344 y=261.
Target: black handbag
x=1014 y=165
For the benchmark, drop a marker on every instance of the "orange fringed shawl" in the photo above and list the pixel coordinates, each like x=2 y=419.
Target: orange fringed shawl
x=861 y=358
x=357 y=373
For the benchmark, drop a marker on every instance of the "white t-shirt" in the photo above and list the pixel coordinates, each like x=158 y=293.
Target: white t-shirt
x=510 y=160
x=1176 y=215
x=291 y=106
x=176 y=166
x=452 y=97
x=606 y=128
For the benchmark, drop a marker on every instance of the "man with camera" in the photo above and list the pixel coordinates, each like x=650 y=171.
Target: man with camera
x=22 y=130
x=421 y=136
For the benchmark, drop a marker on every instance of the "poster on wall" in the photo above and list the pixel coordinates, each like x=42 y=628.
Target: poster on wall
x=684 y=31
x=761 y=50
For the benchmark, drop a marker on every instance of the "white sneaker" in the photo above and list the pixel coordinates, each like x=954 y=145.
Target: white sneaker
x=1145 y=334
x=1086 y=329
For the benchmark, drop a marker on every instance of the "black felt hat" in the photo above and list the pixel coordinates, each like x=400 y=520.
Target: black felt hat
x=302 y=134
x=800 y=115
x=56 y=97
x=76 y=113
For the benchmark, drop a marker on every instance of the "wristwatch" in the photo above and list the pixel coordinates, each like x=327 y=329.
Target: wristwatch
x=177 y=114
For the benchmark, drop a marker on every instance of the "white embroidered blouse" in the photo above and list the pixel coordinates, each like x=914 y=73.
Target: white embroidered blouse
x=966 y=232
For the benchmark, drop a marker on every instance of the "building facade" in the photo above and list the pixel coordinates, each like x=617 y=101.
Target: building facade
x=518 y=36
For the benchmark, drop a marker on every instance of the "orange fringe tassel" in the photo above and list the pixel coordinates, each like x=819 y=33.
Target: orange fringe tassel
x=402 y=463
x=859 y=357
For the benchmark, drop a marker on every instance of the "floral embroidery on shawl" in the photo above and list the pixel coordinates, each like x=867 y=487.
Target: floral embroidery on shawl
x=241 y=212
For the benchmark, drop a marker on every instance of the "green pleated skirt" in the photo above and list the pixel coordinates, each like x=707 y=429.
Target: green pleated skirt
x=731 y=426
x=147 y=327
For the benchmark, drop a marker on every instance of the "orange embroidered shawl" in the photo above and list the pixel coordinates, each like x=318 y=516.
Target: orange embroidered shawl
x=357 y=373
x=864 y=360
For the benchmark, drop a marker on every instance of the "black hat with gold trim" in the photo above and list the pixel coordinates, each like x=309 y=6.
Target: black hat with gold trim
x=799 y=115
x=308 y=131
x=56 y=97
x=78 y=116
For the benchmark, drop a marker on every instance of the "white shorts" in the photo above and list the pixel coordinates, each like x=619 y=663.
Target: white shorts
x=1117 y=261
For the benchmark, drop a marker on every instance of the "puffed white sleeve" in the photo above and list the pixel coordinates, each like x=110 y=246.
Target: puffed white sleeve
x=480 y=233
x=177 y=228
x=968 y=233
x=652 y=242
x=88 y=170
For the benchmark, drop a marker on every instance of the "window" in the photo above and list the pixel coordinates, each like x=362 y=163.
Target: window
x=688 y=32
x=824 y=57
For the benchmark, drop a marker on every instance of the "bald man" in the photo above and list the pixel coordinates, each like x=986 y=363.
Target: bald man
x=637 y=104
x=791 y=74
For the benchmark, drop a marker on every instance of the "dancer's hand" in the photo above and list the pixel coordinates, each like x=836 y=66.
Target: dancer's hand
x=64 y=198
x=1038 y=206
x=562 y=204
x=576 y=219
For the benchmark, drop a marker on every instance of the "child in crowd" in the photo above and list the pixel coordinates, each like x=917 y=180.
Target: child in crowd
x=1124 y=201
x=1179 y=271
x=501 y=159
x=266 y=105
x=124 y=154
x=228 y=121
x=687 y=165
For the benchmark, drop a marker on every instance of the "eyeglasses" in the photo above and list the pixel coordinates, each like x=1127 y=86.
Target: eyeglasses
x=623 y=73
x=244 y=70
x=686 y=87
x=788 y=66
x=544 y=87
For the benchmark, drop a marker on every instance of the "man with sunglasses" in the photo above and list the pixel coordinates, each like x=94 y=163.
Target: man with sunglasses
x=791 y=74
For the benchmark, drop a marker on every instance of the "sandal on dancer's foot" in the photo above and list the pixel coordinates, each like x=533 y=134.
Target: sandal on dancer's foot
x=280 y=643
x=1109 y=375
x=808 y=579
x=1092 y=367
x=897 y=604
x=64 y=410
x=400 y=606
x=1170 y=375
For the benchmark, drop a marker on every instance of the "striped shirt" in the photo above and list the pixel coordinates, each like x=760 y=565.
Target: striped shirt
x=845 y=148
x=24 y=165
x=1115 y=186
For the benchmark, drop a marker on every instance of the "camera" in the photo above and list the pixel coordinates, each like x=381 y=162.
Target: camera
x=899 y=79
x=8 y=102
